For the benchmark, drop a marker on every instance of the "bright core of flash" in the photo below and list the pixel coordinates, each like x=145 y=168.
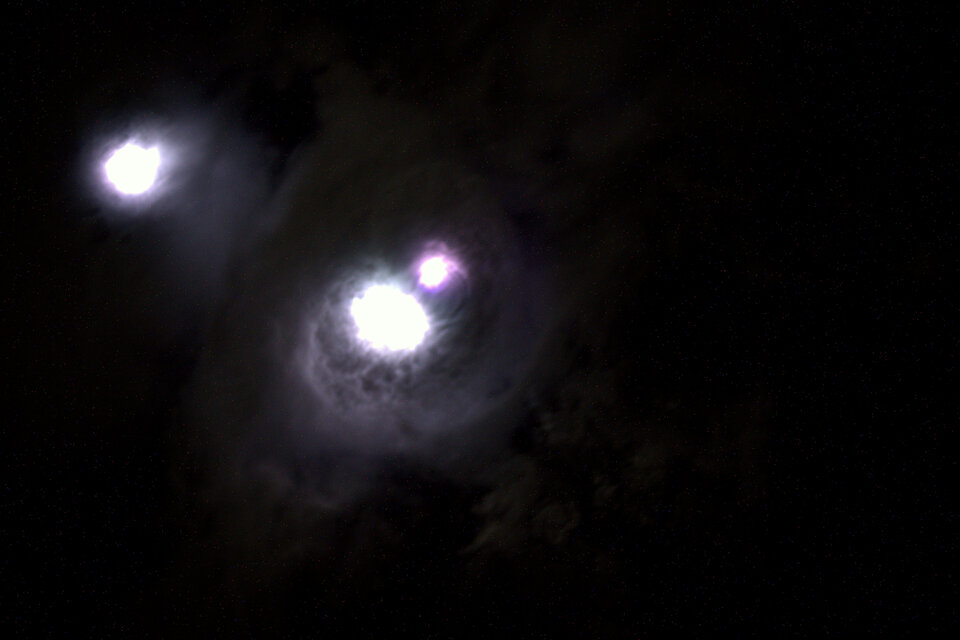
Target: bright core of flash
x=434 y=271
x=389 y=319
x=133 y=169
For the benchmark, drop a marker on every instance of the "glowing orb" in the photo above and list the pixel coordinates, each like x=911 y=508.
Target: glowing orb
x=133 y=169
x=389 y=319
x=434 y=271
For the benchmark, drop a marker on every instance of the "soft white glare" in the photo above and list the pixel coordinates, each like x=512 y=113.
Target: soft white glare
x=389 y=319
x=133 y=169
x=434 y=271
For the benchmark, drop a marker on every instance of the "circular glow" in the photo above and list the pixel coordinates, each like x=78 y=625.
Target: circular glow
x=133 y=169
x=389 y=319
x=434 y=271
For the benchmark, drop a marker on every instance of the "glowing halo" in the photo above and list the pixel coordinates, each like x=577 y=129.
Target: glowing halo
x=388 y=319
x=434 y=271
x=132 y=169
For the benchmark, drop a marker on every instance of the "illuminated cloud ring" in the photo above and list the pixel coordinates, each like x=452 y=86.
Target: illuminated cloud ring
x=474 y=350
x=320 y=387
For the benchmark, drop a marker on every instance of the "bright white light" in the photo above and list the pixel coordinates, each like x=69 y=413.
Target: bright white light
x=389 y=319
x=434 y=271
x=133 y=169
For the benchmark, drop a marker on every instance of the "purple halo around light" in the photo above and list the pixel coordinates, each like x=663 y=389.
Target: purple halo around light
x=434 y=271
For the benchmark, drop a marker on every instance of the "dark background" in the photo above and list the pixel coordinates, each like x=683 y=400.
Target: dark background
x=744 y=428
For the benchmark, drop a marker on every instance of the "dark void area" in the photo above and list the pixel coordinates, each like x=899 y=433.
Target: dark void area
x=743 y=426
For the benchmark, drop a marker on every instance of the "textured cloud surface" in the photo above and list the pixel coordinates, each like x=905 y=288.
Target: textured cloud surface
x=364 y=204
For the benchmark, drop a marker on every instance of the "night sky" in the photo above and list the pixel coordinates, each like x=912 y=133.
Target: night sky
x=692 y=371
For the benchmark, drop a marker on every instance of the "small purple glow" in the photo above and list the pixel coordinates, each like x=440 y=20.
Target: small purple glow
x=434 y=271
